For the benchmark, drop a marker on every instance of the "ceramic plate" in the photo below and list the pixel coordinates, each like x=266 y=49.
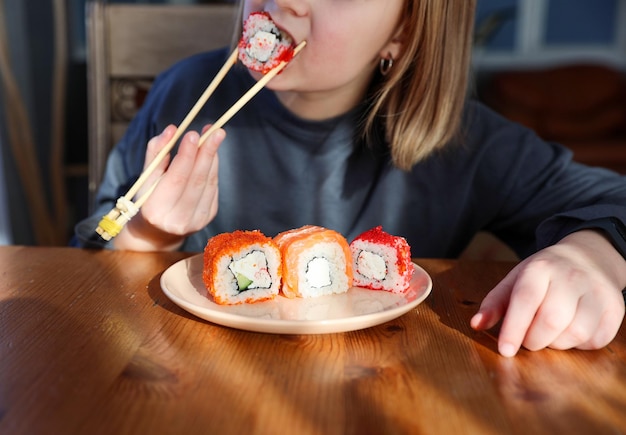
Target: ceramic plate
x=357 y=309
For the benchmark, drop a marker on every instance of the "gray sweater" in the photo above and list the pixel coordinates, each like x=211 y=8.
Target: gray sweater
x=278 y=171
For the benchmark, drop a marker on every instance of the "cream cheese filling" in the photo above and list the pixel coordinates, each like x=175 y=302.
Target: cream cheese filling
x=371 y=265
x=318 y=273
x=254 y=267
x=261 y=45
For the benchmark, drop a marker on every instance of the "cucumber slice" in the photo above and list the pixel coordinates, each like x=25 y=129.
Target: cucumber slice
x=243 y=282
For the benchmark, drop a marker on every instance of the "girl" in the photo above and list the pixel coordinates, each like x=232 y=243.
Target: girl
x=369 y=125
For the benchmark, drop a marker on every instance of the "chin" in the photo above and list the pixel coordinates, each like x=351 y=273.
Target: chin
x=279 y=83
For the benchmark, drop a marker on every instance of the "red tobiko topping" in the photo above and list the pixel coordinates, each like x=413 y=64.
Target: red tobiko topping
x=283 y=51
x=377 y=235
x=262 y=13
x=285 y=55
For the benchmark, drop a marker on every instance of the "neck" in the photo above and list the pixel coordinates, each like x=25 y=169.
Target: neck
x=315 y=106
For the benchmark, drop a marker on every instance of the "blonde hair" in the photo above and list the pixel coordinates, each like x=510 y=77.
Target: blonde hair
x=420 y=101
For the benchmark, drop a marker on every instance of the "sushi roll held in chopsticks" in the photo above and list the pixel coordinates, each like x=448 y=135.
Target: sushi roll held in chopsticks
x=316 y=262
x=381 y=261
x=241 y=267
x=263 y=45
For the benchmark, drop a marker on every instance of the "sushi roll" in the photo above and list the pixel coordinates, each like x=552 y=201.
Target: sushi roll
x=241 y=267
x=263 y=45
x=381 y=261
x=316 y=262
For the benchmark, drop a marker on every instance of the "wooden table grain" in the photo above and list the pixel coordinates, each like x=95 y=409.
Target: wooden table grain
x=89 y=344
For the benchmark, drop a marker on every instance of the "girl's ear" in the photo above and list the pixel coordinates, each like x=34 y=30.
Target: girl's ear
x=394 y=47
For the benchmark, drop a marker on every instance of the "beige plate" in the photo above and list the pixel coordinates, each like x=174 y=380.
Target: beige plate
x=357 y=309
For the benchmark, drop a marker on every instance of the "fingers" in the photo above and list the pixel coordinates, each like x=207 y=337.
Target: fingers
x=513 y=290
x=495 y=304
x=515 y=301
x=594 y=325
x=552 y=303
x=196 y=172
x=528 y=293
x=580 y=328
x=206 y=207
x=560 y=310
x=155 y=145
x=184 y=198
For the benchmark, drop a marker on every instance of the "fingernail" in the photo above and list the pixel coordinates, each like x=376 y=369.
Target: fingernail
x=507 y=350
x=194 y=137
x=220 y=134
x=165 y=130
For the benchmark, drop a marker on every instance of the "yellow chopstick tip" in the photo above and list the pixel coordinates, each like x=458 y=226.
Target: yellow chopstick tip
x=110 y=228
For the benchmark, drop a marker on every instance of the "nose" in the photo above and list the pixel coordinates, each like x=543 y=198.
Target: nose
x=298 y=8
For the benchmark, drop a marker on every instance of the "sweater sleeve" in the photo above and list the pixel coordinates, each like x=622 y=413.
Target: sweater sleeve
x=611 y=219
x=535 y=188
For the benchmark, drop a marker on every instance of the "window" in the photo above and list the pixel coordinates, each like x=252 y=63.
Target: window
x=541 y=32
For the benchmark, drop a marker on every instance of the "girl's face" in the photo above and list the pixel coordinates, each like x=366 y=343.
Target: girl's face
x=345 y=41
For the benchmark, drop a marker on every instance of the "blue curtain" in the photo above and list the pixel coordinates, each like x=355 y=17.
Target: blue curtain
x=6 y=234
x=26 y=121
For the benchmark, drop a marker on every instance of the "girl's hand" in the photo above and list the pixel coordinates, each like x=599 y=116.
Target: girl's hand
x=185 y=199
x=566 y=296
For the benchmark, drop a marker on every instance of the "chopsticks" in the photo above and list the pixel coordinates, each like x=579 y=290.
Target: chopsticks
x=111 y=224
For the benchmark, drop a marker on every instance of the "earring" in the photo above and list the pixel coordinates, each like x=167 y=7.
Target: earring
x=385 y=65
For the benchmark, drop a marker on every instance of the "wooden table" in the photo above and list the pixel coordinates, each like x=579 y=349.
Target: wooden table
x=90 y=344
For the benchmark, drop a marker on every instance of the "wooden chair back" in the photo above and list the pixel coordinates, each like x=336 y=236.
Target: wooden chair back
x=128 y=45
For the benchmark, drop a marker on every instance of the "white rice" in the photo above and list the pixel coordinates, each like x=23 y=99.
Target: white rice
x=322 y=270
x=376 y=266
x=262 y=44
x=259 y=263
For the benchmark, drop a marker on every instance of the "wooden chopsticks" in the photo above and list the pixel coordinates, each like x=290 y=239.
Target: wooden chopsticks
x=112 y=223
